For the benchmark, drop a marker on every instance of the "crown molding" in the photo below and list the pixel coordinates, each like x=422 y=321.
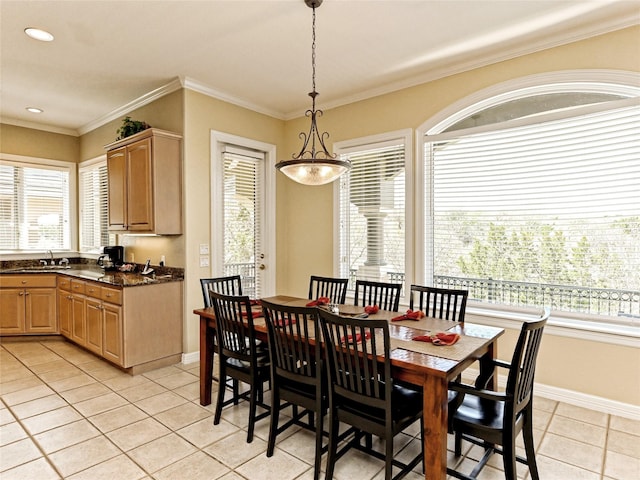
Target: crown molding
x=196 y=86
x=39 y=126
x=127 y=108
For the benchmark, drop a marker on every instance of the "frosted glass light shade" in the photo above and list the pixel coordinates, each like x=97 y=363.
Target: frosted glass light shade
x=313 y=172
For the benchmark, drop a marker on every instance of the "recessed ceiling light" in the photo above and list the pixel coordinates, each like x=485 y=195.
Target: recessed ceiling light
x=34 y=110
x=38 y=34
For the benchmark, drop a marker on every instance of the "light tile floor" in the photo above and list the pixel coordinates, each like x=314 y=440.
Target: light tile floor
x=67 y=414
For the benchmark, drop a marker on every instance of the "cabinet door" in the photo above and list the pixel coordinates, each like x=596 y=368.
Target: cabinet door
x=12 y=308
x=140 y=186
x=93 y=317
x=117 y=180
x=78 y=320
x=112 y=346
x=65 y=313
x=40 y=310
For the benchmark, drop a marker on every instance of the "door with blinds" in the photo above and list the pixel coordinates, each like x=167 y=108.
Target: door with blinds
x=242 y=215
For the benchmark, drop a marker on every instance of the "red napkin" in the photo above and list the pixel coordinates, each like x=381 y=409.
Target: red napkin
x=440 y=339
x=256 y=313
x=358 y=338
x=319 y=302
x=410 y=315
x=255 y=302
x=371 y=309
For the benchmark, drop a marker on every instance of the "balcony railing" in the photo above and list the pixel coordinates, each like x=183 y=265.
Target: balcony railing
x=247 y=272
x=597 y=301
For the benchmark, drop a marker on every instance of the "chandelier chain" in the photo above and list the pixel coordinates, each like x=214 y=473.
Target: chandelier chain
x=313 y=52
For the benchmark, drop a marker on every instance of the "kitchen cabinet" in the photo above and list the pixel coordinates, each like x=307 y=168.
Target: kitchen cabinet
x=104 y=321
x=145 y=183
x=28 y=304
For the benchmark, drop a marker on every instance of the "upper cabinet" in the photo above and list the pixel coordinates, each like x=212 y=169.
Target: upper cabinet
x=145 y=183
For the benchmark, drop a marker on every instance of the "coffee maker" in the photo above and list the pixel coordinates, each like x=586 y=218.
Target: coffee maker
x=113 y=257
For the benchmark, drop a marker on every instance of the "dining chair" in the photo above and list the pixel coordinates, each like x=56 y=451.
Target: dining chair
x=229 y=285
x=443 y=303
x=492 y=419
x=242 y=356
x=362 y=392
x=333 y=288
x=385 y=295
x=296 y=372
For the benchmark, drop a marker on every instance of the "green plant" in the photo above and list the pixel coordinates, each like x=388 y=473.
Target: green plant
x=130 y=127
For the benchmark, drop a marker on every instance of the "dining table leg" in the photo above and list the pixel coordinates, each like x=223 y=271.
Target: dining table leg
x=206 y=361
x=435 y=413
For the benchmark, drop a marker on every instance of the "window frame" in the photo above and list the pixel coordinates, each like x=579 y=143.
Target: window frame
x=48 y=163
x=83 y=166
x=568 y=324
x=404 y=136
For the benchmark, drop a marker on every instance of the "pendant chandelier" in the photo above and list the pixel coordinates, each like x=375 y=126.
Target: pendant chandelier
x=311 y=166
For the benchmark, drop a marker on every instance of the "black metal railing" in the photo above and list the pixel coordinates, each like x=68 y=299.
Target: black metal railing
x=597 y=301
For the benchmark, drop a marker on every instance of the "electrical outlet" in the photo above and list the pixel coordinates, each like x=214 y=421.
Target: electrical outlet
x=204 y=260
x=204 y=249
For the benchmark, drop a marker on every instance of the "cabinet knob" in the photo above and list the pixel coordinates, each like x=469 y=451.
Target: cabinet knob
x=21 y=293
x=24 y=282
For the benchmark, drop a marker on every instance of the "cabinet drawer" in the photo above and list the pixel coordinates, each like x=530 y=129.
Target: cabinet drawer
x=64 y=283
x=112 y=295
x=77 y=286
x=39 y=280
x=93 y=290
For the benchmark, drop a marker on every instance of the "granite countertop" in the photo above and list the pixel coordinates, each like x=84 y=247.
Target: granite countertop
x=97 y=274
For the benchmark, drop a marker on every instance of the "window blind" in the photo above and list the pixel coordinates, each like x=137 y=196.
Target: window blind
x=542 y=207
x=94 y=212
x=372 y=214
x=34 y=208
x=243 y=180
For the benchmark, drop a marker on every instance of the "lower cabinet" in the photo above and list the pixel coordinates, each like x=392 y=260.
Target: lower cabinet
x=28 y=304
x=131 y=327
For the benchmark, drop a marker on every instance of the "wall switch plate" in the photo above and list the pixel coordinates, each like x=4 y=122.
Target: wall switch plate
x=204 y=249
x=204 y=260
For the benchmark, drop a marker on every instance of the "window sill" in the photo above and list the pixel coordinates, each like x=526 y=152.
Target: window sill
x=601 y=332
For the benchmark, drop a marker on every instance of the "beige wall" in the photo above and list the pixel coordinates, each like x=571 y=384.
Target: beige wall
x=204 y=114
x=39 y=144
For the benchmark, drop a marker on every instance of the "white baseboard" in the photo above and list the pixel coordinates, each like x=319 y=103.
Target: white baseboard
x=592 y=402
x=571 y=397
x=191 y=357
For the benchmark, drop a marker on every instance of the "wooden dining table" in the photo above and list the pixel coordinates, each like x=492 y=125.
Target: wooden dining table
x=419 y=363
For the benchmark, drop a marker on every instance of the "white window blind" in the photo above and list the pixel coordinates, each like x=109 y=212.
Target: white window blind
x=243 y=180
x=34 y=208
x=541 y=214
x=372 y=214
x=94 y=213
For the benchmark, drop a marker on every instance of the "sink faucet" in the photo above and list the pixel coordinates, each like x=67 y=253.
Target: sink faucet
x=53 y=262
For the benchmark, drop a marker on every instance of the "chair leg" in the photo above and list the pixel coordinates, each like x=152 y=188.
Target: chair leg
x=527 y=433
x=458 y=444
x=253 y=395
x=388 y=461
x=509 y=458
x=318 y=458
x=273 y=421
x=333 y=445
x=222 y=384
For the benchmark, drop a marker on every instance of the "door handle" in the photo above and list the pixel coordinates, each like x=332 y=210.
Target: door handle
x=262 y=266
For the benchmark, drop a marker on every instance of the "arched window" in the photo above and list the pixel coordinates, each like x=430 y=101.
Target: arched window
x=533 y=197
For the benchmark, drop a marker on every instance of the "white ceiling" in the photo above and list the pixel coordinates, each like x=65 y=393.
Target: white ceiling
x=109 y=54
